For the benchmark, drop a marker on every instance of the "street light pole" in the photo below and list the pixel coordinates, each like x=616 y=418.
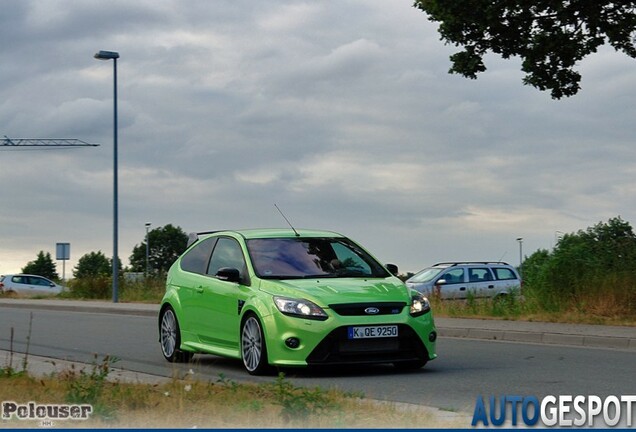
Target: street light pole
x=112 y=55
x=520 y=240
x=147 y=250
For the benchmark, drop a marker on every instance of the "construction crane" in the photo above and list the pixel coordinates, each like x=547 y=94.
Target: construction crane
x=19 y=143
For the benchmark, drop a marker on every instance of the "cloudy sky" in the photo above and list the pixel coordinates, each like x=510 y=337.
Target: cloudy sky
x=341 y=112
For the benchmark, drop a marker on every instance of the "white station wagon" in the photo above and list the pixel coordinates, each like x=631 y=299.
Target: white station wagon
x=458 y=280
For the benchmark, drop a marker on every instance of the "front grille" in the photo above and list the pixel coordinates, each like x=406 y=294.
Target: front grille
x=337 y=348
x=356 y=309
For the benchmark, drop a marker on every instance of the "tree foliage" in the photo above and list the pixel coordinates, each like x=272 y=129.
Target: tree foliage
x=93 y=264
x=595 y=260
x=166 y=244
x=549 y=36
x=43 y=265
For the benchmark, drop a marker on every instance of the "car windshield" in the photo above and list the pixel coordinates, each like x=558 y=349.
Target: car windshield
x=298 y=258
x=426 y=275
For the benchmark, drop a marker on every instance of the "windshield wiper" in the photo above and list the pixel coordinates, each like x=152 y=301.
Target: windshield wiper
x=340 y=274
x=287 y=277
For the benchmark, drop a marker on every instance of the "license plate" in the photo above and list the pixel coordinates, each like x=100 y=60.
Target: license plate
x=373 y=332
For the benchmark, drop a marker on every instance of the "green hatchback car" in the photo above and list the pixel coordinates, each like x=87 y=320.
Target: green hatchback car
x=286 y=298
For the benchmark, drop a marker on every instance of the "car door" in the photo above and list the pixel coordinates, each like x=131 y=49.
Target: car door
x=194 y=266
x=454 y=286
x=20 y=284
x=221 y=300
x=506 y=280
x=481 y=282
x=40 y=285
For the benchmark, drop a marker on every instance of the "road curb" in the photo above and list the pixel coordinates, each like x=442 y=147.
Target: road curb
x=93 y=307
x=539 y=337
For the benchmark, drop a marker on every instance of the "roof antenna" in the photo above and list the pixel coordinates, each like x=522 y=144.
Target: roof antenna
x=287 y=220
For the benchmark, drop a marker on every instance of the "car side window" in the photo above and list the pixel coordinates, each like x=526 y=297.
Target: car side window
x=18 y=279
x=38 y=281
x=502 y=273
x=479 y=274
x=197 y=258
x=454 y=276
x=227 y=253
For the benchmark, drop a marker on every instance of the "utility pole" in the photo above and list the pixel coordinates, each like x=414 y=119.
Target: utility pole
x=520 y=240
x=114 y=55
x=147 y=251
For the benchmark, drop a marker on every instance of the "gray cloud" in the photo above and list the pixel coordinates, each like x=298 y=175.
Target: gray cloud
x=341 y=112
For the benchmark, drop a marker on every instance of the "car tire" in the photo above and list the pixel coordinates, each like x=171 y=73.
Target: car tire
x=409 y=365
x=170 y=338
x=253 y=347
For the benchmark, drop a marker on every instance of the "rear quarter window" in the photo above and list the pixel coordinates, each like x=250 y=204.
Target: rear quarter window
x=196 y=260
x=504 y=274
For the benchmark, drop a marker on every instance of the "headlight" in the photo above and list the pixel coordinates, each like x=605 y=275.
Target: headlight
x=300 y=308
x=419 y=306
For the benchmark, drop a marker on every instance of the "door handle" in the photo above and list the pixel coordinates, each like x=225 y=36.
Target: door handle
x=199 y=289
x=462 y=289
x=491 y=286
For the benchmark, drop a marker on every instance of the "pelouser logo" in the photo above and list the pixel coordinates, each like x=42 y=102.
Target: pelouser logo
x=562 y=410
x=34 y=411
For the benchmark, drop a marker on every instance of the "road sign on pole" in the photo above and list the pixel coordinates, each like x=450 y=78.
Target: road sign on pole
x=63 y=253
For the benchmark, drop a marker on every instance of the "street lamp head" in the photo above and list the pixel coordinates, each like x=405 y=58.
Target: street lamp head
x=106 y=55
x=520 y=239
x=148 y=224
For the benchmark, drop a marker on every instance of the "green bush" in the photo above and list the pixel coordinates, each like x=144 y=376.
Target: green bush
x=149 y=290
x=99 y=287
x=591 y=270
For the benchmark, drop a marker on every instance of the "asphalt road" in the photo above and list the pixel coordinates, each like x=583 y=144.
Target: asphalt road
x=465 y=368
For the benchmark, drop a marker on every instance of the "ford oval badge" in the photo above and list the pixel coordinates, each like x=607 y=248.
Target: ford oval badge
x=371 y=310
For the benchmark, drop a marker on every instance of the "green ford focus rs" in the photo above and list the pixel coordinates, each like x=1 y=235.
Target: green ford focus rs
x=291 y=298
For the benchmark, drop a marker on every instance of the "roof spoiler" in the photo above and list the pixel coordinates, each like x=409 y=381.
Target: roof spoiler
x=193 y=237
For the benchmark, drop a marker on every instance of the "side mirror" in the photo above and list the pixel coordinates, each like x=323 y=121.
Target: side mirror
x=441 y=282
x=393 y=269
x=228 y=274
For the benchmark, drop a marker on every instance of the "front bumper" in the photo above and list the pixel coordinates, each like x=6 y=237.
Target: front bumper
x=326 y=342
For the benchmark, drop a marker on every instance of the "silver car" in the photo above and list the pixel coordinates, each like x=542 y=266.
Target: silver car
x=29 y=285
x=458 y=280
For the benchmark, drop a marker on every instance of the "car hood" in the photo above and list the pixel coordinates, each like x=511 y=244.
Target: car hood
x=342 y=290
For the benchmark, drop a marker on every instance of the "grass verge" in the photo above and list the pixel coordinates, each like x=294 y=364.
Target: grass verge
x=188 y=402
x=582 y=309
